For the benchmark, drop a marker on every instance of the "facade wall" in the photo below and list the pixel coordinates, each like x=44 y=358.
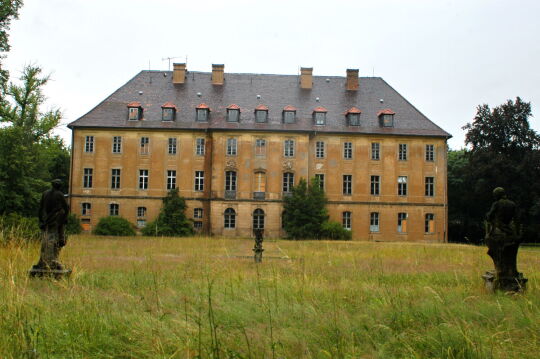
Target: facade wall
x=248 y=162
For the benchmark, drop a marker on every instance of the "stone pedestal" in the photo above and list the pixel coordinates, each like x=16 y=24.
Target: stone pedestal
x=258 y=254
x=506 y=284
x=49 y=273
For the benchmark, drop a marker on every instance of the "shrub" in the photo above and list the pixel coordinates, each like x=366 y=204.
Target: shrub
x=304 y=211
x=172 y=220
x=14 y=227
x=114 y=226
x=335 y=231
x=73 y=225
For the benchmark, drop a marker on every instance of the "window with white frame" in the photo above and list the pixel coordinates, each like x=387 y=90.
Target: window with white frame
x=141 y=212
x=402 y=223
x=402 y=152
x=230 y=181
x=199 y=146
x=347 y=150
x=346 y=220
x=288 y=182
x=402 y=185
x=258 y=219
x=89 y=144
x=288 y=148
x=172 y=146
x=260 y=147
x=374 y=222
x=229 y=218
x=347 y=185
x=115 y=178
x=143 y=179
x=231 y=146
x=171 y=179
x=134 y=113
x=320 y=118
x=145 y=145
x=86 y=209
x=117 y=144
x=197 y=213
x=375 y=151
x=87 y=177
x=375 y=189
x=114 y=209
x=319 y=149
x=320 y=178
x=429 y=186
x=260 y=181
x=199 y=180
x=430 y=153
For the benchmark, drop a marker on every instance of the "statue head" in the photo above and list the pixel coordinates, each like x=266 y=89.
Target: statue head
x=498 y=193
x=56 y=184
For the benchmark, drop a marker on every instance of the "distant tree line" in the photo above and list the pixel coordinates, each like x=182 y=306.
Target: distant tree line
x=503 y=151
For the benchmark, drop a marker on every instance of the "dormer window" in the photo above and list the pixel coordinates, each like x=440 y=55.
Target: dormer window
x=353 y=116
x=319 y=116
x=135 y=111
x=168 y=111
x=289 y=114
x=233 y=113
x=261 y=114
x=386 y=118
x=202 y=112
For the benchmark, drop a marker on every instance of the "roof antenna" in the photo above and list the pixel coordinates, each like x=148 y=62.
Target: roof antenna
x=149 y=75
x=171 y=58
x=373 y=73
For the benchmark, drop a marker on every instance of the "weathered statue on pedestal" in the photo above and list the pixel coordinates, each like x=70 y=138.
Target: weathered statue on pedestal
x=503 y=238
x=53 y=211
x=258 y=249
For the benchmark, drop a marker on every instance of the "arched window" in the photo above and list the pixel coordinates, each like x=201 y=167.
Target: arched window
x=229 y=218
x=258 y=219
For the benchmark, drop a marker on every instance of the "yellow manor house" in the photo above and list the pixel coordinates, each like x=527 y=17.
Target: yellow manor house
x=236 y=144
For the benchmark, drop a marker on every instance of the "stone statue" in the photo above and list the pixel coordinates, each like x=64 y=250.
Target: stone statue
x=53 y=211
x=503 y=238
x=258 y=249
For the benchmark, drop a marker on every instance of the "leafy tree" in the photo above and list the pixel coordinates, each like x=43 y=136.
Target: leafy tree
x=172 y=220
x=9 y=10
x=305 y=210
x=504 y=152
x=114 y=226
x=30 y=156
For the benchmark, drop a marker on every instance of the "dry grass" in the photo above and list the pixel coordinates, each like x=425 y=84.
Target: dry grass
x=206 y=298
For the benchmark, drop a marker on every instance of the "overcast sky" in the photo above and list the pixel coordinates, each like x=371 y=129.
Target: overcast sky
x=445 y=57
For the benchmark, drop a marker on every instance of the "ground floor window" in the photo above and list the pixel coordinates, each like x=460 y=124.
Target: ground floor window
x=374 y=222
x=430 y=223
x=258 y=219
x=86 y=209
x=229 y=218
x=346 y=220
x=197 y=225
x=114 y=209
x=402 y=223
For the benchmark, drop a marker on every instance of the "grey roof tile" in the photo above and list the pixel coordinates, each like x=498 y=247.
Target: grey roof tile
x=276 y=92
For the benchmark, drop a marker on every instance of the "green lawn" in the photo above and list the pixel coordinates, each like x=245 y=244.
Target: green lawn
x=206 y=298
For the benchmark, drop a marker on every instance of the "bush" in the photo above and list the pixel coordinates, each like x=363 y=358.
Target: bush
x=335 y=231
x=14 y=227
x=172 y=220
x=73 y=225
x=114 y=226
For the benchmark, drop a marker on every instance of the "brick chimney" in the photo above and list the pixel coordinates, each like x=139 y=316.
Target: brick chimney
x=352 y=79
x=179 y=73
x=306 y=77
x=217 y=74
